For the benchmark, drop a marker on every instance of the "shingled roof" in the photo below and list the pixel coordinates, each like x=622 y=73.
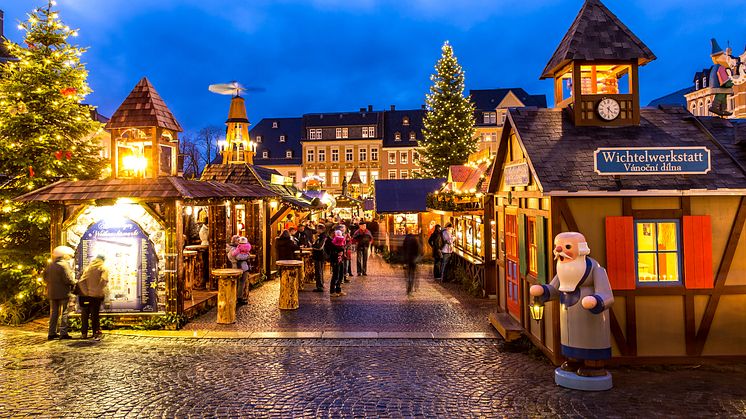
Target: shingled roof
x=597 y=34
x=560 y=154
x=143 y=108
x=156 y=189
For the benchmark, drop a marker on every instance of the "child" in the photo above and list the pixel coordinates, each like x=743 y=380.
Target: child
x=339 y=240
x=241 y=252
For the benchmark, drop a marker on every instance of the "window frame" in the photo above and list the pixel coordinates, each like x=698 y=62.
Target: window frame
x=335 y=153
x=282 y=138
x=335 y=174
x=392 y=174
x=531 y=247
x=338 y=133
x=403 y=174
x=374 y=154
x=321 y=155
x=397 y=136
x=362 y=154
x=374 y=175
x=372 y=132
x=288 y=154
x=309 y=155
x=403 y=157
x=349 y=154
x=679 y=253
x=274 y=124
x=265 y=154
x=412 y=136
x=392 y=157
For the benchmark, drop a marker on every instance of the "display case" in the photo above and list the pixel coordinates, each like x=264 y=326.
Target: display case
x=469 y=232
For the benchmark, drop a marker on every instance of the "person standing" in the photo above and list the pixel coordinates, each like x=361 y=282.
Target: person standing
x=362 y=240
x=412 y=251
x=318 y=252
x=347 y=253
x=436 y=244
x=286 y=247
x=59 y=278
x=374 y=230
x=92 y=293
x=335 y=249
x=242 y=254
x=447 y=249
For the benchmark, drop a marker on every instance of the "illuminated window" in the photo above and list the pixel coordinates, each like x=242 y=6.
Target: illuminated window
x=365 y=132
x=338 y=133
x=265 y=154
x=403 y=174
x=490 y=117
x=708 y=105
x=701 y=108
x=374 y=154
x=392 y=174
x=314 y=133
x=274 y=124
x=415 y=156
x=371 y=132
x=405 y=121
x=289 y=154
x=348 y=154
x=345 y=132
x=335 y=154
x=605 y=79
x=531 y=242
x=258 y=138
x=374 y=175
x=292 y=175
x=322 y=155
x=403 y=157
x=693 y=109
x=335 y=178
x=363 y=177
x=397 y=136
x=309 y=155
x=412 y=136
x=363 y=154
x=392 y=157
x=282 y=138
x=704 y=82
x=657 y=251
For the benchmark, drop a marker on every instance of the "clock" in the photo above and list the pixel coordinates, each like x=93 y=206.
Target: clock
x=608 y=109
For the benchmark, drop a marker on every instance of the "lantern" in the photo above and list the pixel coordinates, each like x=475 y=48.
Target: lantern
x=537 y=309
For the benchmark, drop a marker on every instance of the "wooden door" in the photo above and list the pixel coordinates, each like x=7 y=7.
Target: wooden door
x=512 y=261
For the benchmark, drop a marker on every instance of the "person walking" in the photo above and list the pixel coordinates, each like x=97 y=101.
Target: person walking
x=92 y=293
x=436 y=244
x=318 y=252
x=447 y=249
x=362 y=240
x=336 y=249
x=412 y=251
x=286 y=247
x=59 y=278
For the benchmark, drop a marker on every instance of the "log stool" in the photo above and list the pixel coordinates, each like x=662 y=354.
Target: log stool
x=227 y=281
x=190 y=262
x=308 y=266
x=290 y=276
x=202 y=269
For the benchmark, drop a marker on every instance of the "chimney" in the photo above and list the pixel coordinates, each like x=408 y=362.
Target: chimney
x=362 y=110
x=370 y=108
x=393 y=107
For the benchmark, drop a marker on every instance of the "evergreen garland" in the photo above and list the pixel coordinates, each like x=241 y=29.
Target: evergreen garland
x=448 y=127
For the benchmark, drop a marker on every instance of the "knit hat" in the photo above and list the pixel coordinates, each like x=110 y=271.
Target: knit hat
x=338 y=233
x=61 y=251
x=242 y=240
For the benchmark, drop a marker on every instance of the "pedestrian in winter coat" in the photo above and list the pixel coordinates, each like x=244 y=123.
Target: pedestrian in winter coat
x=412 y=252
x=318 y=252
x=92 y=293
x=447 y=249
x=241 y=253
x=436 y=244
x=59 y=278
x=335 y=249
x=362 y=238
x=286 y=247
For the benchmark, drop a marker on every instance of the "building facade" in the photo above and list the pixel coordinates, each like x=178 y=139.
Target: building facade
x=278 y=146
x=402 y=131
x=491 y=106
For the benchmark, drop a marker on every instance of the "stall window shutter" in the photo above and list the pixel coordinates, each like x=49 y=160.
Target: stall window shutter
x=522 y=253
x=620 y=252
x=541 y=251
x=698 y=252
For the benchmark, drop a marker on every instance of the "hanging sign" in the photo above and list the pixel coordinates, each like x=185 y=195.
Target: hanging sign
x=652 y=160
x=516 y=175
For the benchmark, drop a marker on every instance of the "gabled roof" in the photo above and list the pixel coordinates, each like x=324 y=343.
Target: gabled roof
x=240 y=174
x=355 y=178
x=394 y=122
x=597 y=34
x=730 y=133
x=459 y=173
x=404 y=195
x=341 y=119
x=290 y=128
x=560 y=154
x=676 y=98
x=490 y=99
x=143 y=107
x=155 y=189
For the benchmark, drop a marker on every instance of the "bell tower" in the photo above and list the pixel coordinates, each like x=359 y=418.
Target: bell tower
x=239 y=148
x=595 y=69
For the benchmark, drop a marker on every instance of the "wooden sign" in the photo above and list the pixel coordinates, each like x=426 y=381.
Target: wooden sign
x=516 y=175
x=652 y=160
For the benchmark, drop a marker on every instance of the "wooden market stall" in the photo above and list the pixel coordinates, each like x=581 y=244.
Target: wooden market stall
x=660 y=198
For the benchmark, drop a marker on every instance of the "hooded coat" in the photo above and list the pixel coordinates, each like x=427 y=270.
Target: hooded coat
x=94 y=279
x=59 y=279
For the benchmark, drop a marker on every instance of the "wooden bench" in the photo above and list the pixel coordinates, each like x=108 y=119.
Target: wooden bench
x=508 y=328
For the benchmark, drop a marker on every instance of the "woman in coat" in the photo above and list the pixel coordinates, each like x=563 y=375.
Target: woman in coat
x=92 y=292
x=285 y=247
x=436 y=244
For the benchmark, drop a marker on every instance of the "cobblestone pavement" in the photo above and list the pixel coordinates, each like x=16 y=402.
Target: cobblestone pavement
x=377 y=303
x=163 y=377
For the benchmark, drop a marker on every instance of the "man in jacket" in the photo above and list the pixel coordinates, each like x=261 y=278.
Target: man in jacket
x=411 y=250
x=362 y=239
x=447 y=249
x=318 y=252
x=59 y=278
x=92 y=293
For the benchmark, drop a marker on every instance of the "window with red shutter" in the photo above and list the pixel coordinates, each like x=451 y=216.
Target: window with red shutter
x=620 y=252
x=698 y=271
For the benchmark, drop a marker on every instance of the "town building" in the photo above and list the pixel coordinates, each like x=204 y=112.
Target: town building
x=661 y=200
x=402 y=131
x=278 y=146
x=491 y=106
x=335 y=144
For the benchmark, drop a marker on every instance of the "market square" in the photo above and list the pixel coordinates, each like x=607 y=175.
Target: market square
x=570 y=246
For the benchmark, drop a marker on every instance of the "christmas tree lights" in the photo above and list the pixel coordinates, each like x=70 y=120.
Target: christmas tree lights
x=448 y=127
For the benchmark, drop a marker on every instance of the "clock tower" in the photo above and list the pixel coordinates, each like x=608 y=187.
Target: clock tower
x=595 y=69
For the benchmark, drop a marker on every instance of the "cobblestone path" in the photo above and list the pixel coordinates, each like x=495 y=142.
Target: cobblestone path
x=376 y=303
x=159 y=377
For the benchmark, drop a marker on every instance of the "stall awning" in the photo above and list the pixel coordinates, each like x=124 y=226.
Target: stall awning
x=404 y=195
x=160 y=188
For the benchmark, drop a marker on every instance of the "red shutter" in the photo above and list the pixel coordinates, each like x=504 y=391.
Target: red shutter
x=698 y=252
x=620 y=252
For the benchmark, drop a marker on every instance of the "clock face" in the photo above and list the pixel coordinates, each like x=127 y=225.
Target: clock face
x=608 y=109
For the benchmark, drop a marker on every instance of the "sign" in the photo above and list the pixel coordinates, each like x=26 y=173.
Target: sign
x=131 y=261
x=516 y=175
x=652 y=160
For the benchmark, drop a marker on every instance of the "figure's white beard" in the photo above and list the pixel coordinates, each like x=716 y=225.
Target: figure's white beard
x=570 y=273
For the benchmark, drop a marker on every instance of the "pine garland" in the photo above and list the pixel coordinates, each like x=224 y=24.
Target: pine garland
x=43 y=125
x=448 y=127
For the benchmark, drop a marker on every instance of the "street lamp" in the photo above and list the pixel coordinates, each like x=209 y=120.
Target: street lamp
x=537 y=309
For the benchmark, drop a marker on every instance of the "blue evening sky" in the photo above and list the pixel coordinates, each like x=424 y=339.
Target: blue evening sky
x=340 y=55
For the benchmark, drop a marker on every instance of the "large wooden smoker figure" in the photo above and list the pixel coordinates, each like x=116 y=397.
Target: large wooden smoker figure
x=584 y=292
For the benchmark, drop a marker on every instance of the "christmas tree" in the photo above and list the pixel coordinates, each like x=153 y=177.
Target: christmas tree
x=43 y=126
x=448 y=128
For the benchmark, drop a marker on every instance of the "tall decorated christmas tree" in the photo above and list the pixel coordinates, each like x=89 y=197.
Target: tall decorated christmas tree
x=43 y=125
x=448 y=131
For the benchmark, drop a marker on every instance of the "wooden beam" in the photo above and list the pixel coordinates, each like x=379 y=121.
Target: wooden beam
x=681 y=291
x=722 y=274
x=657 y=213
x=627 y=206
x=564 y=209
x=690 y=331
x=616 y=331
x=686 y=205
x=283 y=211
x=630 y=311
